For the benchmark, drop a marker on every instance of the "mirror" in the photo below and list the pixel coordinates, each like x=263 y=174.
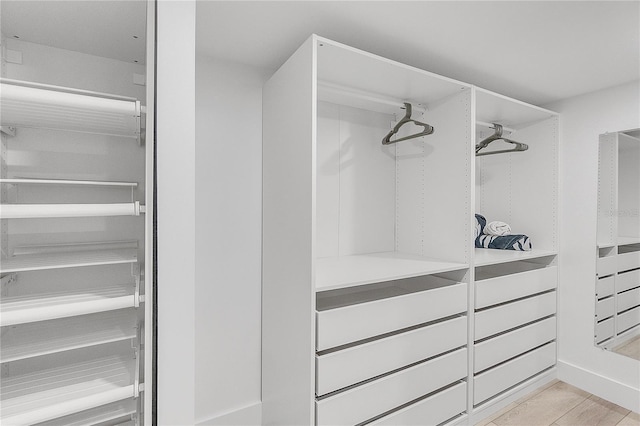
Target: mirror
x=617 y=290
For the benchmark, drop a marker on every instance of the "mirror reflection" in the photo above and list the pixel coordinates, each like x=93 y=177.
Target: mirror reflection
x=617 y=290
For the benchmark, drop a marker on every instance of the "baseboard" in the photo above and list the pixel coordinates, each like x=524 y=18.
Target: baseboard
x=611 y=390
x=251 y=415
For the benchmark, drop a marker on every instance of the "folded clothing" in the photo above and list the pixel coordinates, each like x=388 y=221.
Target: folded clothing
x=501 y=242
x=504 y=242
x=497 y=228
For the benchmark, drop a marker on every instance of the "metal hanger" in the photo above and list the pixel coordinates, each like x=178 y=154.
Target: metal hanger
x=497 y=136
x=407 y=118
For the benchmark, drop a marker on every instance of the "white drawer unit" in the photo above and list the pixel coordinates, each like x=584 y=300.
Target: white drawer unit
x=360 y=321
x=504 y=317
x=504 y=376
x=605 y=330
x=627 y=300
x=345 y=367
x=605 y=308
x=371 y=399
x=529 y=278
x=432 y=410
x=605 y=286
x=627 y=280
x=607 y=266
x=505 y=346
x=629 y=260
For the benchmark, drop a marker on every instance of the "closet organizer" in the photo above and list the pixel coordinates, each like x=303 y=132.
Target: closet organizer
x=73 y=256
x=377 y=309
x=617 y=306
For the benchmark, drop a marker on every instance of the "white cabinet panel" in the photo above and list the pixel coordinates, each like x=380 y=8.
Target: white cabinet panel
x=508 y=287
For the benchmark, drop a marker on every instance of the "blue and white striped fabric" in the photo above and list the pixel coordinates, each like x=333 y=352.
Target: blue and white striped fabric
x=506 y=242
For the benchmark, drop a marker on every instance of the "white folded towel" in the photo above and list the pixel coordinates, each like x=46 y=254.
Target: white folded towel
x=497 y=228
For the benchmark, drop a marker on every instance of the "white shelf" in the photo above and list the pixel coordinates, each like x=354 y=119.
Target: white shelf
x=495 y=108
x=42 y=307
x=43 y=261
x=49 y=337
x=623 y=241
x=27 y=181
x=99 y=415
x=34 y=105
x=604 y=245
x=485 y=257
x=49 y=394
x=40 y=211
x=347 y=271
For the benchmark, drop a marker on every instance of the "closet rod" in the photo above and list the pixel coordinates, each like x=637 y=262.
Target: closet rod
x=491 y=126
x=332 y=92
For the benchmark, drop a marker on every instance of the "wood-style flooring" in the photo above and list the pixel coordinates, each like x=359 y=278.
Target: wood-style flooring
x=630 y=348
x=560 y=404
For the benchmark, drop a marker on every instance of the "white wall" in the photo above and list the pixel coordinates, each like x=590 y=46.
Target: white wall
x=583 y=119
x=228 y=242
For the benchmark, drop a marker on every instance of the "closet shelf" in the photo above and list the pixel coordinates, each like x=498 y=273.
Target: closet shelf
x=26 y=104
x=42 y=307
x=484 y=257
x=72 y=259
x=49 y=337
x=348 y=271
x=99 y=415
x=49 y=394
x=623 y=241
x=35 y=211
x=495 y=108
x=27 y=181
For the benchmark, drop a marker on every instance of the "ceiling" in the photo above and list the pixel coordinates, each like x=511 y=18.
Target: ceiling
x=537 y=51
x=112 y=29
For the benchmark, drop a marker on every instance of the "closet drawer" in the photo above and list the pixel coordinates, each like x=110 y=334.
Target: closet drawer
x=604 y=330
x=607 y=265
x=628 y=261
x=430 y=411
x=508 y=287
x=628 y=299
x=510 y=315
x=605 y=308
x=342 y=368
x=500 y=378
x=628 y=319
x=509 y=345
x=348 y=324
x=379 y=396
x=605 y=286
x=627 y=280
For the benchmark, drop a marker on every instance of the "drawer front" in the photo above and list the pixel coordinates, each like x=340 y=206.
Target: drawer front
x=628 y=319
x=605 y=330
x=343 y=368
x=430 y=411
x=501 y=348
x=510 y=315
x=627 y=280
x=607 y=265
x=605 y=308
x=356 y=322
x=605 y=287
x=379 y=396
x=628 y=299
x=628 y=261
x=500 y=378
x=502 y=289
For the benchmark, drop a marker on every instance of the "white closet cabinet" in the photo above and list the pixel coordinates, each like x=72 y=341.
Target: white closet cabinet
x=366 y=247
x=617 y=310
x=74 y=253
x=514 y=292
x=376 y=307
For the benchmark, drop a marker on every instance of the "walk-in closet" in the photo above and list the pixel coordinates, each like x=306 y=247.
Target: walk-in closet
x=310 y=213
x=77 y=200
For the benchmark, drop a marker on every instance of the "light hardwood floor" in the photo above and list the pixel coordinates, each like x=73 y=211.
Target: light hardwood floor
x=560 y=404
x=630 y=348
